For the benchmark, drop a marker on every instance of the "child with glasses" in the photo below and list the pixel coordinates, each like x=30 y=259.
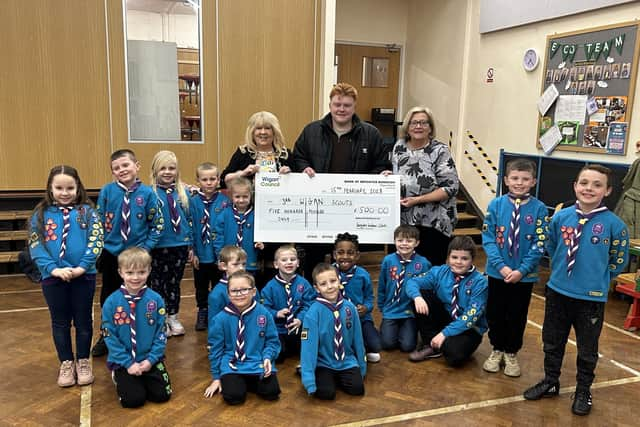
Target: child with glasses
x=355 y=285
x=243 y=344
x=230 y=260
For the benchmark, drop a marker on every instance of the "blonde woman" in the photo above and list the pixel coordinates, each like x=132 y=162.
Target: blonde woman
x=263 y=150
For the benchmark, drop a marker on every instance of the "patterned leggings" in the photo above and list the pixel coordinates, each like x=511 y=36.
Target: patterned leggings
x=167 y=269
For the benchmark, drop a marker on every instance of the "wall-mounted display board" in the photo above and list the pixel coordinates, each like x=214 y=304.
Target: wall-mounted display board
x=593 y=73
x=555 y=178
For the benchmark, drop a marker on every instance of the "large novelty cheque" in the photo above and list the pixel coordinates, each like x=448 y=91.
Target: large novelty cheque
x=296 y=208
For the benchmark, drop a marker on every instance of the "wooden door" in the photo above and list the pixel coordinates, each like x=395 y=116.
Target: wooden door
x=350 y=71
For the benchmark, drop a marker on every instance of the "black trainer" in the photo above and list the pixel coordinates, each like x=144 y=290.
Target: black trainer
x=544 y=388
x=202 y=320
x=582 y=402
x=99 y=348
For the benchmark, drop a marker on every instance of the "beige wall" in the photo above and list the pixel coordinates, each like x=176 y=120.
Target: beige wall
x=63 y=88
x=499 y=115
x=53 y=87
x=371 y=21
x=434 y=61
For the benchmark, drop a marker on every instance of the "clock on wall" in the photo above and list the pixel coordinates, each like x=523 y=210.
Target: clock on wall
x=530 y=60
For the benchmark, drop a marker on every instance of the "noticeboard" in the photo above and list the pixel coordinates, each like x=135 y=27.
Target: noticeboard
x=594 y=72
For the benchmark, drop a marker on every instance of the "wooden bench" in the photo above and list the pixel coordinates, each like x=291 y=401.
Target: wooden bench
x=14 y=215
x=13 y=236
x=626 y=284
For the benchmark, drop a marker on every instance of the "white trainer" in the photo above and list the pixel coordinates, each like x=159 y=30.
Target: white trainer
x=493 y=362
x=175 y=327
x=67 y=374
x=511 y=365
x=84 y=372
x=373 y=357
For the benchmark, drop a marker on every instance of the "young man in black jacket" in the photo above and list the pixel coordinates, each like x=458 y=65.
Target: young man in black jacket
x=338 y=143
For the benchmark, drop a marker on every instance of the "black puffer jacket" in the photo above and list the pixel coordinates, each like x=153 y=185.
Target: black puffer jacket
x=313 y=147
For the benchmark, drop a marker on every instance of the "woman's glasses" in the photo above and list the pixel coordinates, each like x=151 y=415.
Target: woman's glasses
x=416 y=123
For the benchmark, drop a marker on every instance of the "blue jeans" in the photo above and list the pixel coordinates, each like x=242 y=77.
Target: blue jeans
x=71 y=301
x=371 y=337
x=401 y=333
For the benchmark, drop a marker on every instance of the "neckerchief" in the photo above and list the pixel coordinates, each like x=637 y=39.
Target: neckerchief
x=338 y=344
x=125 y=225
x=239 y=352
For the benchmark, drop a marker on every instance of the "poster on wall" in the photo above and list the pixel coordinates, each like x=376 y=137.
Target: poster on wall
x=616 y=138
x=593 y=72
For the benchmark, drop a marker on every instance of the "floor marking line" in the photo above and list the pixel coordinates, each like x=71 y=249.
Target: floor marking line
x=622 y=331
x=538 y=296
x=625 y=367
x=472 y=405
x=20 y=310
x=25 y=291
x=85 y=406
x=607 y=324
x=85 y=395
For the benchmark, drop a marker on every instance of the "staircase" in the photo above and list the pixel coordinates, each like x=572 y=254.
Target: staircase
x=469 y=220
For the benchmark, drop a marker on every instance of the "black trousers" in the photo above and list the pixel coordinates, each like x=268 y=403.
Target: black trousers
x=289 y=346
x=433 y=245
x=235 y=387
x=349 y=380
x=205 y=278
x=455 y=349
x=153 y=385
x=111 y=279
x=507 y=309
x=560 y=314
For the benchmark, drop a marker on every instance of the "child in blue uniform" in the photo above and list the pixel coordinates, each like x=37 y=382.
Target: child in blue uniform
x=355 y=284
x=66 y=239
x=243 y=344
x=133 y=326
x=287 y=297
x=234 y=225
x=205 y=206
x=513 y=236
x=450 y=302
x=398 y=327
x=230 y=260
x=131 y=216
x=332 y=346
x=172 y=251
x=588 y=248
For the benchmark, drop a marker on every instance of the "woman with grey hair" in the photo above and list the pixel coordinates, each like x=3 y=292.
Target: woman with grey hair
x=429 y=183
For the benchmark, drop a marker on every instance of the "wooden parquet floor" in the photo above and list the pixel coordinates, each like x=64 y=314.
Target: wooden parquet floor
x=398 y=392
